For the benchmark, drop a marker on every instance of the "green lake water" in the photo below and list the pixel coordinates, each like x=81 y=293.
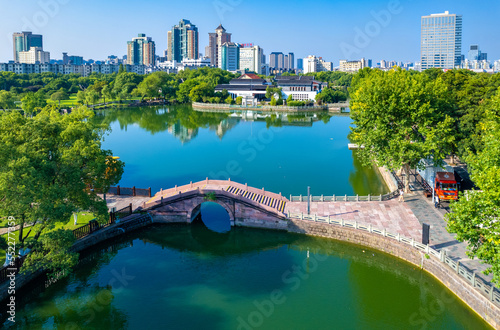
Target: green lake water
x=193 y=277
x=189 y=277
x=164 y=147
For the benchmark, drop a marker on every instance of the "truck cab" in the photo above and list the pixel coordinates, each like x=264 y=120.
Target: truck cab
x=445 y=186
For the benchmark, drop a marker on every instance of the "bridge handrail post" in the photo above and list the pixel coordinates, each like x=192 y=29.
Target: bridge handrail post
x=246 y=186
x=149 y=191
x=133 y=191
x=301 y=216
x=345 y=198
x=322 y=198
x=118 y=190
x=191 y=184
x=301 y=197
x=333 y=198
x=369 y=197
x=357 y=198
x=291 y=198
x=206 y=180
x=380 y=198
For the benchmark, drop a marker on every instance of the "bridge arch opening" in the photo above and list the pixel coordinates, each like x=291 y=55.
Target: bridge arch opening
x=212 y=215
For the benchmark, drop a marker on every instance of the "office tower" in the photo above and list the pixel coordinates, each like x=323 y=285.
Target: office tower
x=230 y=56
x=183 y=42
x=475 y=54
x=24 y=41
x=215 y=41
x=441 y=41
x=300 y=64
x=251 y=59
x=141 y=51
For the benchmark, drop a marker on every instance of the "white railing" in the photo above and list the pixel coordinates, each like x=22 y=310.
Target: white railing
x=345 y=198
x=485 y=287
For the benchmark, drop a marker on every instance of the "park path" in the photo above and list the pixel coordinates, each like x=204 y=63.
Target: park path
x=440 y=239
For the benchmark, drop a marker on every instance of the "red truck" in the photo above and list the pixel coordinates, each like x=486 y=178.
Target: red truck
x=445 y=186
x=441 y=179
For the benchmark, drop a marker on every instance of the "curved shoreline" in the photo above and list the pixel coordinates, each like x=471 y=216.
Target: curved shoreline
x=478 y=303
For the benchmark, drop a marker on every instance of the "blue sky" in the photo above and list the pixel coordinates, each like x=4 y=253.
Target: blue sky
x=95 y=29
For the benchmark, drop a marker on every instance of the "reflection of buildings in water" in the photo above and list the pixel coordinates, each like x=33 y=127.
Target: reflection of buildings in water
x=225 y=126
x=285 y=119
x=182 y=133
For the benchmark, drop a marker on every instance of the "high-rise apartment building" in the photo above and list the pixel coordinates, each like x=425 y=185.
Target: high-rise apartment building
x=141 y=51
x=291 y=61
x=277 y=60
x=215 y=41
x=230 y=56
x=24 y=41
x=183 y=42
x=441 y=41
x=316 y=64
x=251 y=59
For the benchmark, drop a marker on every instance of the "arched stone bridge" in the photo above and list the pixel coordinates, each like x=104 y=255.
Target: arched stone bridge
x=246 y=206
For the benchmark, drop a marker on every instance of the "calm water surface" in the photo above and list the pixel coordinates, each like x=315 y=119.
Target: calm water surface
x=209 y=276
x=189 y=277
x=164 y=147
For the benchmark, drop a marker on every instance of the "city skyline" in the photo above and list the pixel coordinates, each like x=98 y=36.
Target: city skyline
x=310 y=36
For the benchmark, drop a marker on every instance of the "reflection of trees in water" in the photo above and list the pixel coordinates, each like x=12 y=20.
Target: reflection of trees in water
x=84 y=306
x=183 y=122
x=366 y=179
x=158 y=119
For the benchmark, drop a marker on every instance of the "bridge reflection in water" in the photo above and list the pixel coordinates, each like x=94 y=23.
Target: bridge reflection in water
x=214 y=217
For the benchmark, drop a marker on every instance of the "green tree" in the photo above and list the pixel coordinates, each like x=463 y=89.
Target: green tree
x=6 y=100
x=201 y=91
x=33 y=102
x=59 y=96
x=239 y=100
x=81 y=97
x=107 y=93
x=50 y=166
x=399 y=119
x=474 y=218
x=91 y=97
x=229 y=100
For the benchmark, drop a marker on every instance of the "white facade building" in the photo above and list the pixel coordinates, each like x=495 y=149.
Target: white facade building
x=316 y=64
x=34 y=55
x=251 y=59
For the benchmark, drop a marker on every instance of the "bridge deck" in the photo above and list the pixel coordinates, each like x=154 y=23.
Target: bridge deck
x=266 y=198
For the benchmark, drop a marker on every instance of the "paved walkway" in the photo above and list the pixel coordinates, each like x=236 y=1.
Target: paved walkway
x=423 y=208
x=121 y=202
x=392 y=215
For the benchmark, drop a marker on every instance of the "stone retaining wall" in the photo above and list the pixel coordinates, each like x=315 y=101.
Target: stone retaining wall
x=389 y=179
x=457 y=284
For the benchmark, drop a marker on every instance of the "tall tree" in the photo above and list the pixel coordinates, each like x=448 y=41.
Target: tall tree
x=59 y=96
x=32 y=102
x=398 y=118
x=6 y=100
x=50 y=166
x=475 y=217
